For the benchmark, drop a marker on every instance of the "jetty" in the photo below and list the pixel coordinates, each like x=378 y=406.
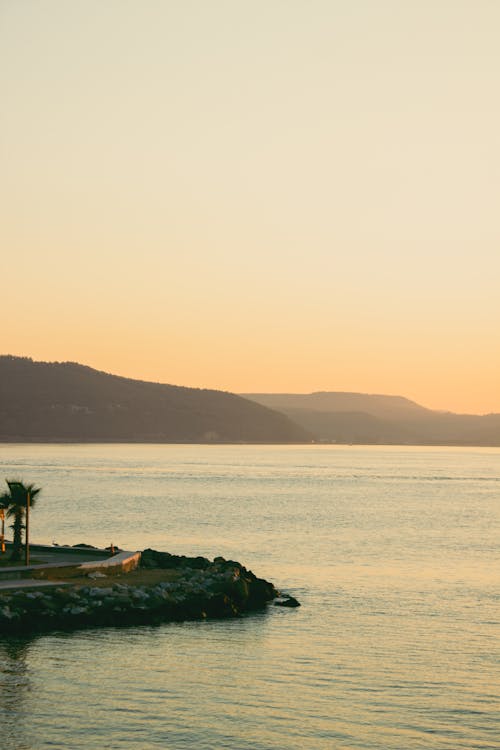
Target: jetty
x=83 y=586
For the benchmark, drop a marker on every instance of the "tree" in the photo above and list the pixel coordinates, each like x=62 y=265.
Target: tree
x=3 y=507
x=16 y=501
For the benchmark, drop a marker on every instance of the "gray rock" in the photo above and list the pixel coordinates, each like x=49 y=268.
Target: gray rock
x=78 y=611
x=7 y=613
x=139 y=594
x=97 y=593
x=166 y=585
x=121 y=587
x=289 y=601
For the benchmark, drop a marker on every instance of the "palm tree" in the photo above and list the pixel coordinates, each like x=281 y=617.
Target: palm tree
x=3 y=507
x=16 y=501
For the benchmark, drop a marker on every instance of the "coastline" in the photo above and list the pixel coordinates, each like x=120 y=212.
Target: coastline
x=164 y=588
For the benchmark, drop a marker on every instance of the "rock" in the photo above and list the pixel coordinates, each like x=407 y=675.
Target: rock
x=290 y=601
x=78 y=611
x=139 y=594
x=151 y=558
x=96 y=574
x=121 y=598
x=97 y=593
x=106 y=591
x=7 y=613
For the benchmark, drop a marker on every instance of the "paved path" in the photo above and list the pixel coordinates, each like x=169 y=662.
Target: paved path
x=62 y=555
x=44 y=556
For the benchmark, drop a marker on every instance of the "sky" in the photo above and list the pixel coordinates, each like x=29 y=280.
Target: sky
x=265 y=196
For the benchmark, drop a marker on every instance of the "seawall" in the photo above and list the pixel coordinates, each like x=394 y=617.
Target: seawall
x=184 y=589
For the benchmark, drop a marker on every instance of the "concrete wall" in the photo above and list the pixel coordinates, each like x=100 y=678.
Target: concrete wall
x=123 y=561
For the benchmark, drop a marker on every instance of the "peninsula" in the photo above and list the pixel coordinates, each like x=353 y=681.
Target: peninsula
x=126 y=588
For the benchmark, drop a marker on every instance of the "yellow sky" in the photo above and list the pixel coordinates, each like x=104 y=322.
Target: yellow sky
x=265 y=196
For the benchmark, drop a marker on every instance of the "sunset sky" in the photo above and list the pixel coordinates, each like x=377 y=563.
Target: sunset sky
x=256 y=196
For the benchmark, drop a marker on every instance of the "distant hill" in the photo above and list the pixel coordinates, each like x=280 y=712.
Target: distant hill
x=68 y=402
x=376 y=419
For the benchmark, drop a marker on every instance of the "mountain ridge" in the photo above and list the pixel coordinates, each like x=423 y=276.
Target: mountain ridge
x=349 y=417
x=69 y=402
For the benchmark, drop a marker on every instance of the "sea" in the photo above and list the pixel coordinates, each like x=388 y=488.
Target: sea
x=393 y=553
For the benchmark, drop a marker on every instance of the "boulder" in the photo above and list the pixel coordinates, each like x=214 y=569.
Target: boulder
x=289 y=601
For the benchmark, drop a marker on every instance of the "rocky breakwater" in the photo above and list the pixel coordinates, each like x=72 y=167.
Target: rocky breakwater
x=165 y=588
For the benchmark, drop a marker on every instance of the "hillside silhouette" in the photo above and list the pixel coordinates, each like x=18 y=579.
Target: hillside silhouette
x=360 y=418
x=69 y=402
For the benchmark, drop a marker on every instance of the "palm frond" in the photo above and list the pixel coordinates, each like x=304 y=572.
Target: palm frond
x=19 y=492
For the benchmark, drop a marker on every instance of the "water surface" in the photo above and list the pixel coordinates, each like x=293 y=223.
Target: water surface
x=393 y=552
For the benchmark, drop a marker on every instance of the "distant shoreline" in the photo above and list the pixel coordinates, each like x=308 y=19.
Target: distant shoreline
x=82 y=441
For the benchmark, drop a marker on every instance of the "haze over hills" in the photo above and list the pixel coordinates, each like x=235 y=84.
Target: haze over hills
x=377 y=419
x=69 y=402
x=46 y=402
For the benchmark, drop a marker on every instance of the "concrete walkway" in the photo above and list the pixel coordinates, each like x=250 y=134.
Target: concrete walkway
x=82 y=559
x=45 y=554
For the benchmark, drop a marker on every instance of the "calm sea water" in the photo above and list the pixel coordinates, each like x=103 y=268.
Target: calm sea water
x=393 y=552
